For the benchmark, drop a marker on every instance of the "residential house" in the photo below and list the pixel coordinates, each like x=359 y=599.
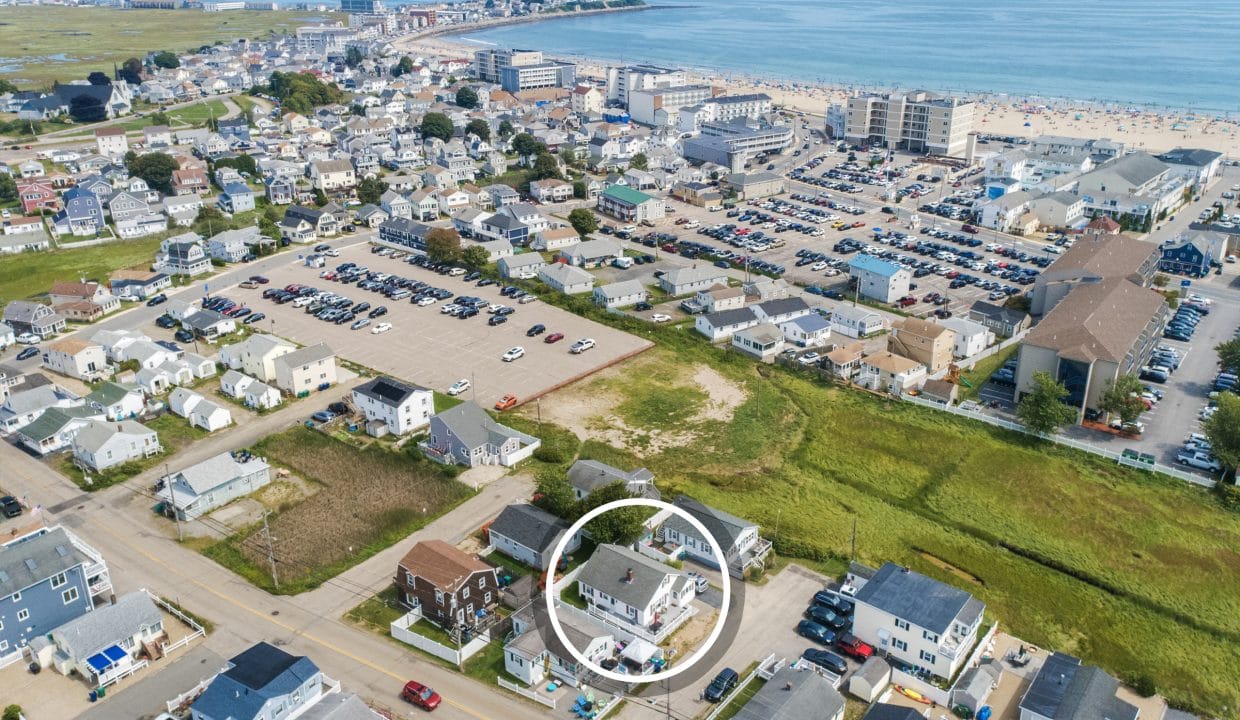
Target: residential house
x=466 y=435
x=888 y=372
x=101 y=445
x=971 y=337
x=82 y=300
x=390 y=405
x=794 y=694
x=141 y=226
x=468 y=222
x=501 y=226
x=566 y=278
x=229 y=246
x=54 y=429
x=551 y=191
x=209 y=324
x=524 y=266
x=31 y=317
x=722 y=325
x=529 y=535
x=1193 y=253
x=182 y=210
x=236 y=198
x=111 y=142
x=332 y=175
x=405 y=233
x=190 y=181
x=198 y=410
x=716 y=299
x=1003 y=321
x=76 y=358
x=7 y=338
x=592 y=253
x=879 y=279
x=452 y=589
x=82 y=214
x=501 y=195
x=743 y=549
x=182 y=255
x=371 y=216
x=48 y=577
x=310 y=368
x=280 y=190
x=532 y=654
x=620 y=294
x=682 y=281
x=262 y=683
x=749 y=186
x=256 y=355
x=629 y=205
x=623 y=585
x=117 y=401
x=27 y=402
x=123 y=205
x=587 y=476
x=808 y=331
x=763 y=341
x=323 y=221
x=213 y=483
x=261 y=396
x=105 y=644
x=928 y=343
x=918 y=620
x=856 y=322
x=1064 y=689
x=553 y=239
x=424 y=205
x=36 y=196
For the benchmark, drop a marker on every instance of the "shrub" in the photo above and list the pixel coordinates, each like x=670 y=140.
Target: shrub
x=13 y=712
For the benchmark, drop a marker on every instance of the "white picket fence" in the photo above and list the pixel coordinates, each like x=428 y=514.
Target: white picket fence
x=1061 y=440
x=526 y=692
x=766 y=669
x=400 y=630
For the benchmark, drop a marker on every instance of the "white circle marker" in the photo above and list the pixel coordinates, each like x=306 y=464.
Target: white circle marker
x=551 y=599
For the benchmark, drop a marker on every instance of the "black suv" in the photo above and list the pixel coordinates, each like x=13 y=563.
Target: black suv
x=722 y=684
x=10 y=507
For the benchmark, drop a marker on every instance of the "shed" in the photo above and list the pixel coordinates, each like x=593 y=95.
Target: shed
x=871 y=679
x=975 y=686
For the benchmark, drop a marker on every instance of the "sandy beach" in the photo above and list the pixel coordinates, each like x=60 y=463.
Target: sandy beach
x=1152 y=130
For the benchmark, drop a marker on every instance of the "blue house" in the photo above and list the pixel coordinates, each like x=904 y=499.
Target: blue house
x=237 y=127
x=501 y=226
x=82 y=214
x=47 y=578
x=236 y=198
x=262 y=683
x=1193 y=253
x=405 y=232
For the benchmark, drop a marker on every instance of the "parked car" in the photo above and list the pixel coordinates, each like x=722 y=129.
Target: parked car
x=184 y=335
x=10 y=507
x=514 y=353
x=508 y=401
x=459 y=387
x=166 y=321
x=324 y=416
x=853 y=646
x=554 y=338
x=1199 y=460
x=381 y=328
x=660 y=318
x=818 y=633
x=497 y=320
x=27 y=353
x=723 y=683
x=581 y=346
x=29 y=338
x=826 y=659
x=420 y=695
x=824 y=616
x=536 y=330
x=833 y=602
x=157 y=300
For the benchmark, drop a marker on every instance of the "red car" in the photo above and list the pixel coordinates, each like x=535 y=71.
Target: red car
x=554 y=338
x=854 y=646
x=969 y=229
x=420 y=695
x=508 y=401
x=906 y=301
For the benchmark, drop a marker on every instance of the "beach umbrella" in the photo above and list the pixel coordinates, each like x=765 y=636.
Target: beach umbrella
x=1028 y=124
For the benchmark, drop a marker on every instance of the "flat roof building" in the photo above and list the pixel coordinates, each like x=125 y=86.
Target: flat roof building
x=917 y=121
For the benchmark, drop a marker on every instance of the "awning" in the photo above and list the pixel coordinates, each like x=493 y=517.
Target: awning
x=639 y=651
x=110 y=656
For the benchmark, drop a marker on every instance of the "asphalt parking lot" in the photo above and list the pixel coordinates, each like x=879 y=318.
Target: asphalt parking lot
x=435 y=350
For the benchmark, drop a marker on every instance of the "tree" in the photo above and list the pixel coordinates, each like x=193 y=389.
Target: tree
x=479 y=127
x=370 y=190
x=1042 y=410
x=525 y=144
x=131 y=71
x=8 y=188
x=545 y=167
x=85 y=108
x=156 y=169
x=1229 y=354
x=467 y=98
x=1122 y=397
x=443 y=245
x=583 y=221
x=160 y=118
x=98 y=78
x=13 y=712
x=7 y=87
x=320 y=198
x=639 y=161
x=210 y=221
x=437 y=125
x=240 y=163
x=475 y=256
x=403 y=66
x=1223 y=430
x=353 y=56
x=620 y=526
x=1161 y=280
x=555 y=495
x=579 y=189
x=166 y=59
x=506 y=129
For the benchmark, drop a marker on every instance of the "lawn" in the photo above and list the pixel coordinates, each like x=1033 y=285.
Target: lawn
x=174 y=434
x=31 y=274
x=370 y=499
x=982 y=371
x=46 y=43
x=738 y=700
x=1137 y=573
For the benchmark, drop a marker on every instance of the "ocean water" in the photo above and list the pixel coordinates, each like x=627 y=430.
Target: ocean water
x=1149 y=52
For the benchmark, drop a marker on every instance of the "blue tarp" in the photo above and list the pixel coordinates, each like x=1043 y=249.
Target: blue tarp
x=106 y=659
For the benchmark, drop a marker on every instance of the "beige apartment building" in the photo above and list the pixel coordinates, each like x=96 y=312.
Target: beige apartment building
x=917 y=121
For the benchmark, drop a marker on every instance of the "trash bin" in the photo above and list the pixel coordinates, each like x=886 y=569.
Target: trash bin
x=93 y=696
x=101 y=693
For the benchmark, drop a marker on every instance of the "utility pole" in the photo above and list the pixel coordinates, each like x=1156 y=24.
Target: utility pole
x=538 y=408
x=271 y=555
x=853 y=554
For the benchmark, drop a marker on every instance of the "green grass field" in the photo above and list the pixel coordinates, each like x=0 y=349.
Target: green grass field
x=31 y=274
x=195 y=115
x=47 y=43
x=1136 y=573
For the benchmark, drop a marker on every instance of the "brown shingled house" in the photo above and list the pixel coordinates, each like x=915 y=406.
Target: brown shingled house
x=451 y=587
x=1093 y=258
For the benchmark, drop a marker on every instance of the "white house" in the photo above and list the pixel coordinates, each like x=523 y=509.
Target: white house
x=856 y=322
x=722 y=325
x=214 y=482
x=76 y=358
x=742 y=547
x=529 y=535
x=466 y=435
x=620 y=294
x=624 y=585
x=587 y=476
x=567 y=279
x=525 y=266
x=683 y=281
x=531 y=655
x=917 y=619
x=887 y=372
x=256 y=355
x=117 y=401
x=104 y=644
x=101 y=445
x=394 y=406
x=198 y=410
x=762 y=341
x=807 y=331
x=971 y=337
x=879 y=279
x=309 y=368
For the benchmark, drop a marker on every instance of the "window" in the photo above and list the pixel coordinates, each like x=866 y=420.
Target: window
x=69 y=595
x=482 y=582
x=465 y=593
x=17 y=597
x=932 y=637
x=487 y=598
x=23 y=615
x=927 y=656
x=439 y=597
x=902 y=624
x=899 y=644
x=58 y=580
x=4 y=645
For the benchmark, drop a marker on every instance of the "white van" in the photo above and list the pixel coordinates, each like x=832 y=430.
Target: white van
x=624 y=263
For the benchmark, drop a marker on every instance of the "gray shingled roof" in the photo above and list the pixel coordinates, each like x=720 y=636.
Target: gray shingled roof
x=108 y=625
x=793 y=695
x=607 y=567
x=590 y=475
x=911 y=596
x=725 y=318
x=216 y=471
x=472 y=426
x=1066 y=690
x=530 y=526
x=92 y=437
x=305 y=356
x=726 y=527
x=32 y=561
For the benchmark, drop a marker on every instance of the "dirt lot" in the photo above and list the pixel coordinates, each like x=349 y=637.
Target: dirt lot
x=436 y=350
x=367 y=499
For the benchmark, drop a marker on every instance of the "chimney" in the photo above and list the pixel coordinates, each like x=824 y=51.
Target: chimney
x=628 y=575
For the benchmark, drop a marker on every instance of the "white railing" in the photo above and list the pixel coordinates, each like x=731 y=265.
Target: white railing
x=186 y=696
x=199 y=631
x=526 y=692
x=1060 y=439
x=123 y=673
